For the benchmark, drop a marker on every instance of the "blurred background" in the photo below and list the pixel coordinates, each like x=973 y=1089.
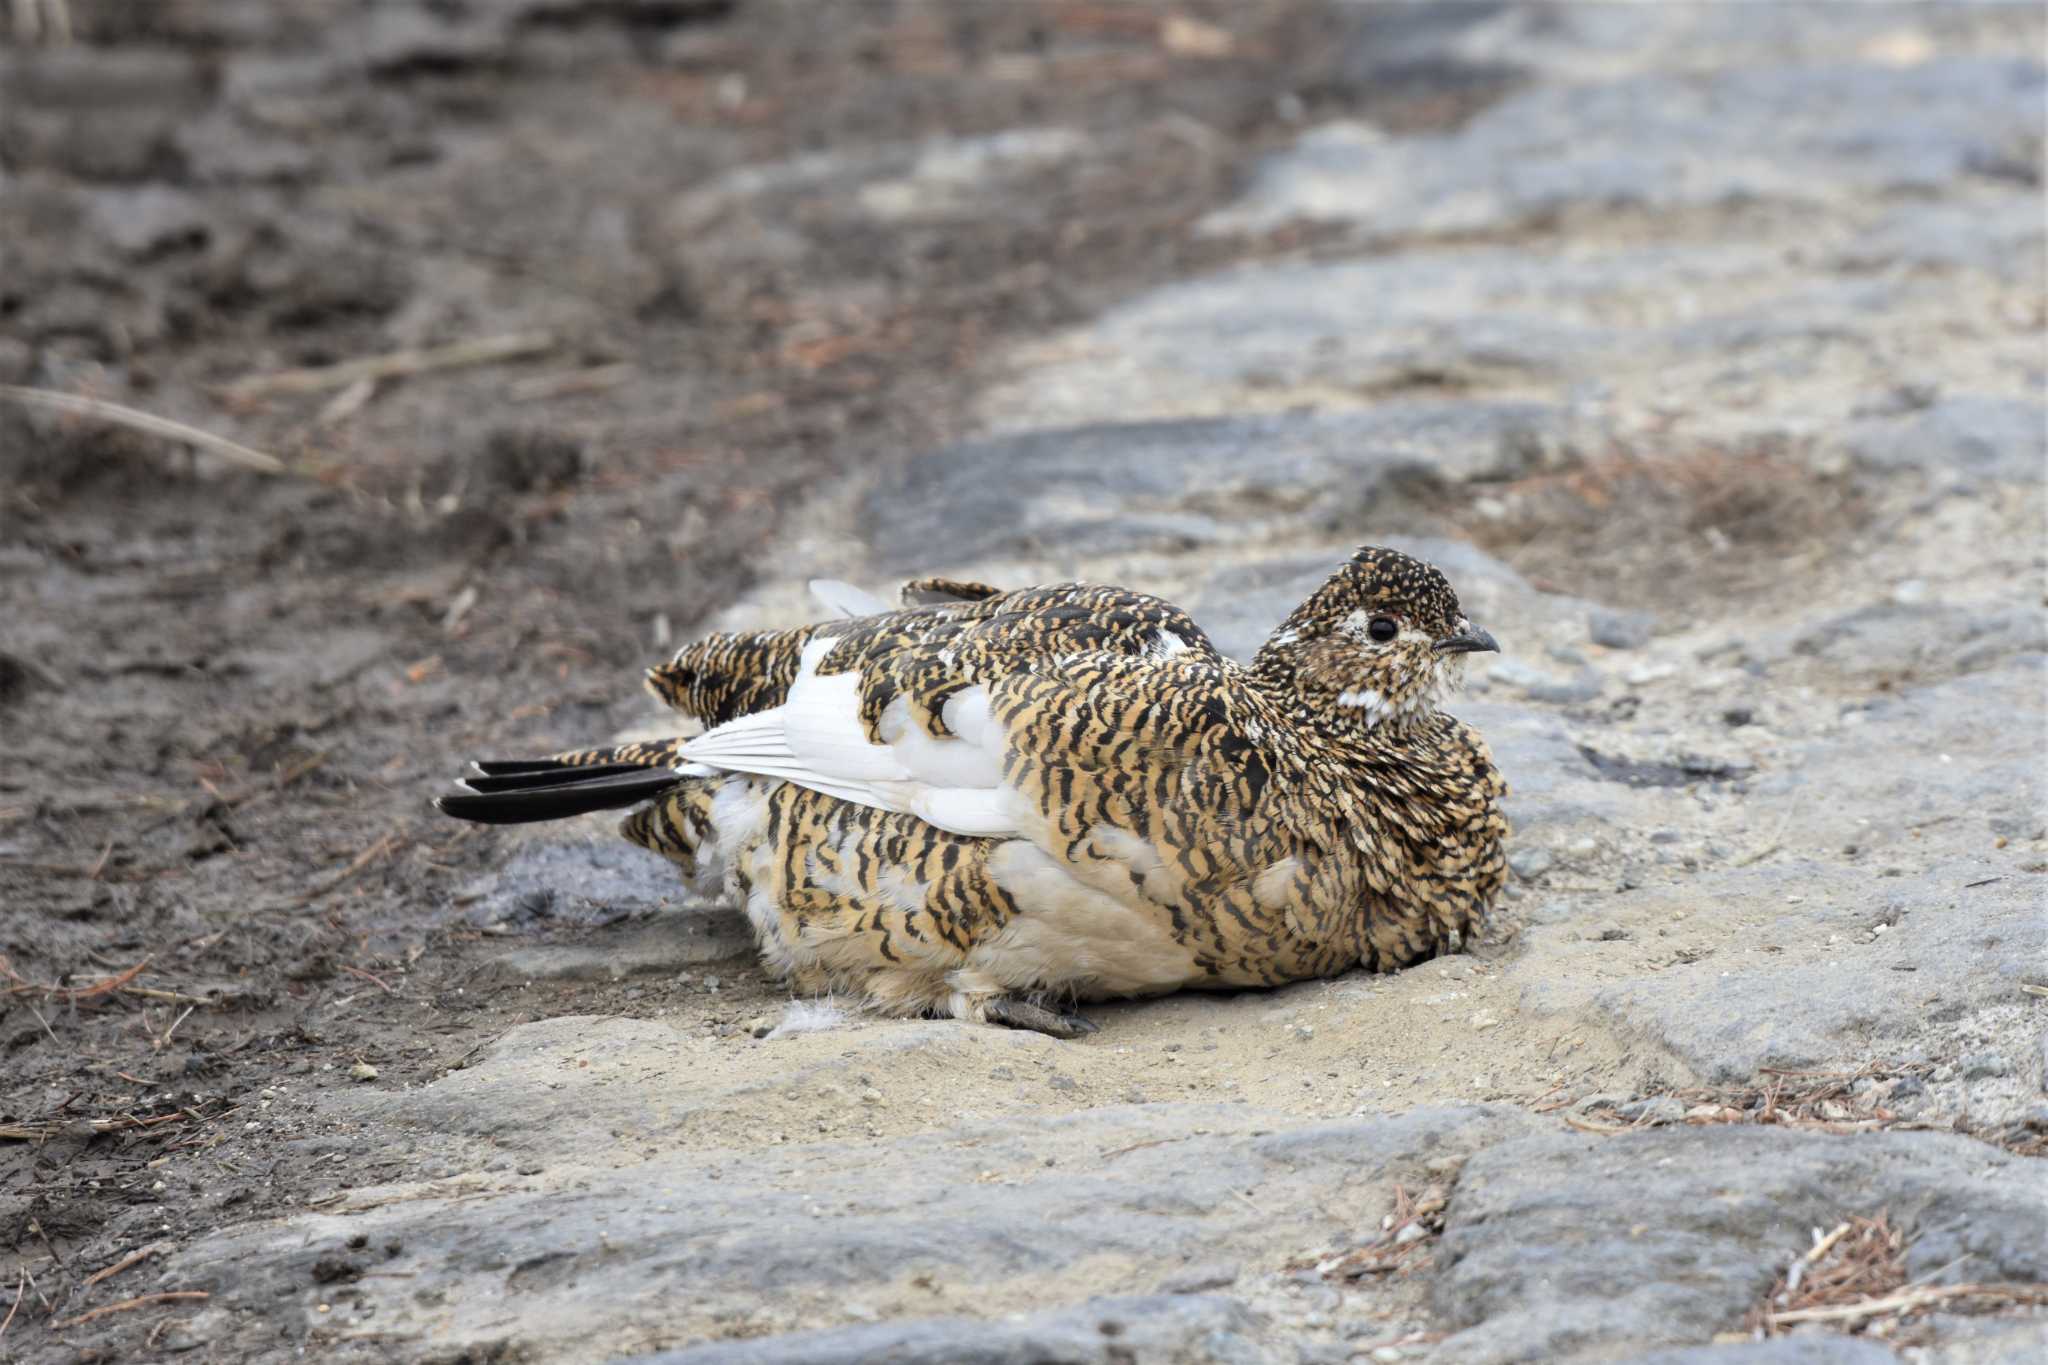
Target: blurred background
x=514 y=342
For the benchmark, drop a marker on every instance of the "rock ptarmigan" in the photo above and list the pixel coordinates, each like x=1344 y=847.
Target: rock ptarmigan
x=988 y=805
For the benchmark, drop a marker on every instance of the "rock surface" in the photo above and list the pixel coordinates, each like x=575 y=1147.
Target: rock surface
x=1778 y=797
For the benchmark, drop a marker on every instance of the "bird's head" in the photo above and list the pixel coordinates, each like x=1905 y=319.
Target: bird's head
x=1380 y=643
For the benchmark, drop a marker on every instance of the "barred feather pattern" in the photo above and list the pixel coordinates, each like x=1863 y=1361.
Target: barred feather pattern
x=1179 y=819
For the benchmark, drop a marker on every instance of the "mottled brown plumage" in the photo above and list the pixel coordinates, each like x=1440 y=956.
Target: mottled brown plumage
x=989 y=799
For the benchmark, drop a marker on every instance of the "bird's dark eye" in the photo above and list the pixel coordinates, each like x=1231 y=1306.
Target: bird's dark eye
x=1383 y=629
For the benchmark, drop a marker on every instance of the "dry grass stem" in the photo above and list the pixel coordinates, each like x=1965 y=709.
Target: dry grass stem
x=20 y=1289
x=122 y=416
x=133 y=1258
x=1825 y=1101
x=384 y=844
x=1855 y=1275
x=128 y=1305
x=1407 y=1236
x=417 y=360
x=44 y=1132
x=70 y=995
x=1913 y=1300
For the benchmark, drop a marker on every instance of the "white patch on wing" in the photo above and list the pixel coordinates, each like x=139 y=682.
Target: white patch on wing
x=956 y=762
x=815 y=739
x=1167 y=643
x=975 y=811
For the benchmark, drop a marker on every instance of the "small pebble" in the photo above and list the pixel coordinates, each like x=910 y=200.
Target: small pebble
x=1984 y=1065
x=362 y=1071
x=1658 y=1109
x=1197 y=1279
x=870 y=1096
x=1619 y=629
x=1530 y=863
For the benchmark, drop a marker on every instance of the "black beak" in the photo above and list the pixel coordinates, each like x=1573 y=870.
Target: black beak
x=1470 y=640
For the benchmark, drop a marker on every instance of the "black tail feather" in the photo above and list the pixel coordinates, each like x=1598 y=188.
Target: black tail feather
x=502 y=767
x=537 y=779
x=524 y=793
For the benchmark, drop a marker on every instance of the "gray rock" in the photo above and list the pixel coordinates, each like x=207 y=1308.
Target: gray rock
x=2001 y=238
x=581 y=1260
x=1984 y=1066
x=1174 y=485
x=1537 y=685
x=1456 y=45
x=1556 y=1244
x=1530 y=863
x=1655 y=1110
x=140 y=221
x=1620 y=629
x=221 y=149
x=1551 y=784
x=1174 y=1329
x=88 y=78
x=666 y=945
x=1654 y=144
x=557 y=876
x=1950 y=947
x=1196 y=1279
x=2001 y=438
x=1822 y=1350
x=1968 y=1341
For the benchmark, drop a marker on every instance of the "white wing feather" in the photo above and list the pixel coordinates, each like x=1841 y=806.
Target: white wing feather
x=815 y=739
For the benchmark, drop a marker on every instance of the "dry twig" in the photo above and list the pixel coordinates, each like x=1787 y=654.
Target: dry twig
x=136 y=420
x=43 y=1132
x=133 y=1258
x=1913 y=1300
x=385 y=844
x=126 y=1305
x=1405 y=1237
x=20 y=1289
x=417 y=360
x=1855 y=1273
x=379 y=982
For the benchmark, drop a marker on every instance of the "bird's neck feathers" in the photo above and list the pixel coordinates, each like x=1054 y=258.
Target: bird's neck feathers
x=1346 y=704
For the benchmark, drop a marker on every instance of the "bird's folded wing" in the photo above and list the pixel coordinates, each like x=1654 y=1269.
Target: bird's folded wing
x=815 y=739
x=896 y=712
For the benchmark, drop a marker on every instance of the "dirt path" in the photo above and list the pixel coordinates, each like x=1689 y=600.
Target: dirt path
x=220 y=727
x=718 y=275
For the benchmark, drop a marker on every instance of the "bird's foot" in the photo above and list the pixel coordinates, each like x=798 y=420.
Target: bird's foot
x=1013 y=1013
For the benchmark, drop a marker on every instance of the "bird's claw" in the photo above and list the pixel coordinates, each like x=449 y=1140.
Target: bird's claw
x=1038 y=1019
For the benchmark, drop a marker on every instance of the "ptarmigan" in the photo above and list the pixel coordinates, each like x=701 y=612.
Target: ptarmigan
x=990 y=804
